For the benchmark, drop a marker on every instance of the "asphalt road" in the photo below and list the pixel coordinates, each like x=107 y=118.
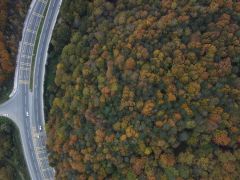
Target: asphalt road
x=24 y=107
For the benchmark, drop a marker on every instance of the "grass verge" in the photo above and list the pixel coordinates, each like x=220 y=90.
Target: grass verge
x=49 y=85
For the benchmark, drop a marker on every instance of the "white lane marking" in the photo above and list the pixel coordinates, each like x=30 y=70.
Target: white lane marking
x=31 y=31
x=25 y=69
x=26 y=56
x=29 y=49
x=23 y=81
x=32 y=39
x=28 y=44
x=25 y=64
x=49 y=171
x=26 y=50
x=37 y=14
x=41 y=8
x=44 y=2
x=30 y=20
x=36 y=23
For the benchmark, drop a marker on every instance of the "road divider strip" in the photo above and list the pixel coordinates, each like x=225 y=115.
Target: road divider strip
x=35 y=48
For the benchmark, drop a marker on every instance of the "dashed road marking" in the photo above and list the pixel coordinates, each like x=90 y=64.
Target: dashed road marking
x=23 y=82
x=25 y=64
x=24 y=69
x=31 y=31
x=28 y=44
x=44 y=2
x=26 y=56
x=37 y=14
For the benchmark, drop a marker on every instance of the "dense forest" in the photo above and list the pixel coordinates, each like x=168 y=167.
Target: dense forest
x=145 y=89
x=12 y=14
x=12 y=163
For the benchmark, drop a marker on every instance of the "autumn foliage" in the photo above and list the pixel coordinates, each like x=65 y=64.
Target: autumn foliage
x=146 y=89
x=12 y=15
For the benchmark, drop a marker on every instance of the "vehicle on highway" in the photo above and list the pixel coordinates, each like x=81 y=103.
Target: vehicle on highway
x=40 y=128
x=27 y=114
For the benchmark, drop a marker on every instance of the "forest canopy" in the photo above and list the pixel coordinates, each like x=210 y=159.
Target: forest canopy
x=12 y=13
x=146 y=89
x=12 y=162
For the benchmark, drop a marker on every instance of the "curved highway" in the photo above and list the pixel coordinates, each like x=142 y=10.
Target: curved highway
x=24 y=107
